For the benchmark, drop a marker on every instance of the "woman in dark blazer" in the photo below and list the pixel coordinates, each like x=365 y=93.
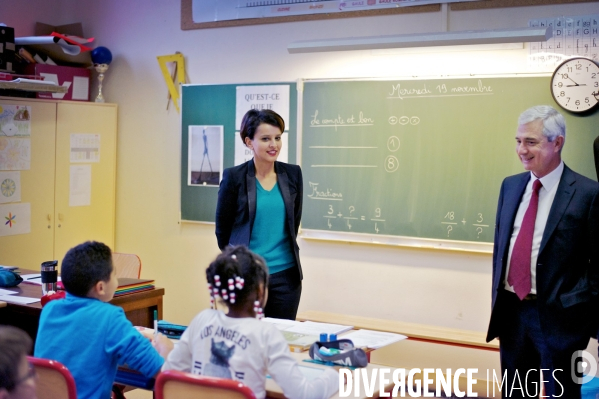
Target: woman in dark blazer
x=260 y=206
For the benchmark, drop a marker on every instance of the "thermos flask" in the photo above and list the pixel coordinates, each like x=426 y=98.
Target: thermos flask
x=49 y=276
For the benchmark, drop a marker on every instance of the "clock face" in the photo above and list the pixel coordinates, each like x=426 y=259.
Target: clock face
x=575 y=84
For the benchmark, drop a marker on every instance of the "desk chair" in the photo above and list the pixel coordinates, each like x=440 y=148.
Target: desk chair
x=173 y=384
x=54 y=380
x=126 y=265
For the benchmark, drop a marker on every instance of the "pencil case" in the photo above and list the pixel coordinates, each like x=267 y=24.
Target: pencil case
x=341 y=352
x=8 y=278
x=171 y=330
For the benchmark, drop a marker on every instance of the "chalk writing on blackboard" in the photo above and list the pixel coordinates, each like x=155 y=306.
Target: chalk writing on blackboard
x=327 y=194
x=337 y=219
x=339 y=121
x=450 y=220
x=424 y=89
x=404 y=120
x=393 y=143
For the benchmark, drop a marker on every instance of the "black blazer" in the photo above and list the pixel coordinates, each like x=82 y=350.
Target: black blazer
x=236 y=205
x=568 y=262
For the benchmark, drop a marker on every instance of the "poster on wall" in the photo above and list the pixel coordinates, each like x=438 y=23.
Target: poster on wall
x=10 y=187
x=15 y=153
x=226 y=10
x=205 y=166
x=273 y=97
x=572 y=36
x=85 y=147
x=80 y=185
x=15 y=120
x=16 y=219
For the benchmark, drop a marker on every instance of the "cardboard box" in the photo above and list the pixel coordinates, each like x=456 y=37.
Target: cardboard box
x=76 y=79
x=7 y=48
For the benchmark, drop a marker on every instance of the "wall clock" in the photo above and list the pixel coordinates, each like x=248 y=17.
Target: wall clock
x=575 y=84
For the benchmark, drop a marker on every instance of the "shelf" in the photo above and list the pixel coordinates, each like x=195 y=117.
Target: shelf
x=26 y=86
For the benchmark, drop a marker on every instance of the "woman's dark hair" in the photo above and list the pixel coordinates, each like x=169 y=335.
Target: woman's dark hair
x=14 y=344
x=254 y=118
x=84 y=265
x=236 y=267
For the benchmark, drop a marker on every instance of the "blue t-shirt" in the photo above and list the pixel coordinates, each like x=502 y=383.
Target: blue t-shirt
x=91 y=338
x=270 y=238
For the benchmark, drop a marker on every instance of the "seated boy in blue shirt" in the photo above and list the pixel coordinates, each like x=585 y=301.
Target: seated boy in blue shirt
x=90 y=336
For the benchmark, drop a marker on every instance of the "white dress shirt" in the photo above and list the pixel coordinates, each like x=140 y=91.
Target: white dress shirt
x=546 y=196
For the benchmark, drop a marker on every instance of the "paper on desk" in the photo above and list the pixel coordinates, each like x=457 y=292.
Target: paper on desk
x=7 y=292
x=35 y=279
x=8 y=267
x=281 y=324
x=23 y=300
x=314 y=328
x=372 y=339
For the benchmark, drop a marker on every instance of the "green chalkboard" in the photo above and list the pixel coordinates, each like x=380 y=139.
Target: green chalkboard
x=215 y=105
x=419 y=162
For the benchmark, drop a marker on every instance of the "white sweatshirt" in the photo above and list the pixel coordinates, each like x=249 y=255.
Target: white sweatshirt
x=245 y=350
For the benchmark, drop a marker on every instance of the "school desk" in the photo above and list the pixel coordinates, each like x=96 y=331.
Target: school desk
x=139 y=307
x=418 y=332
x=426 y=346
x=133 y=379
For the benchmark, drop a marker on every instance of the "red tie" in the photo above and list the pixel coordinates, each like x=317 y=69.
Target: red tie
x=519 y=275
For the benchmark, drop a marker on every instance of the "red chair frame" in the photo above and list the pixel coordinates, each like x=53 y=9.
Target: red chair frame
x=57 y=367
x=199 y=380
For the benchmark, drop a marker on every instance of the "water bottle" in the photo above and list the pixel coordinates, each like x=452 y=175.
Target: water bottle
x=49 y=276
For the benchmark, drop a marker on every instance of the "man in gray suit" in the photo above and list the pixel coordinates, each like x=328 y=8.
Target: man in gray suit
x=545 y=263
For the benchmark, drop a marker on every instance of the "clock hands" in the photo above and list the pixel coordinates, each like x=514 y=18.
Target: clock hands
x=575 y=84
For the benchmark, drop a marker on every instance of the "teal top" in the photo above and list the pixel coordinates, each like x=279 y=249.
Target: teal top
x=270 y=238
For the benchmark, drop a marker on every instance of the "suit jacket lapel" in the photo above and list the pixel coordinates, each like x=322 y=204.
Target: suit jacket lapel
x=283 y=181
x=250 y=180
x=565 y=191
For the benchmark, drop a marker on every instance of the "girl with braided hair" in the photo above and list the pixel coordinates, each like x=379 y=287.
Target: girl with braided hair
x=238 y=345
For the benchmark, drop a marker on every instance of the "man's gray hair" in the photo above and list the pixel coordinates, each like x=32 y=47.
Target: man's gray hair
x=554 y=124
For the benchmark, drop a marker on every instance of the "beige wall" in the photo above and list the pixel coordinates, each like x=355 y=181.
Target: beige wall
x=435 y=287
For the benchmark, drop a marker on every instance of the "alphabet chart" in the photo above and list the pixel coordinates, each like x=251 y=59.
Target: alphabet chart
x=572 y=36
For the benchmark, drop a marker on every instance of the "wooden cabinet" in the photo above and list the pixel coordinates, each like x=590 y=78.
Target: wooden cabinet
x=57 y=226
